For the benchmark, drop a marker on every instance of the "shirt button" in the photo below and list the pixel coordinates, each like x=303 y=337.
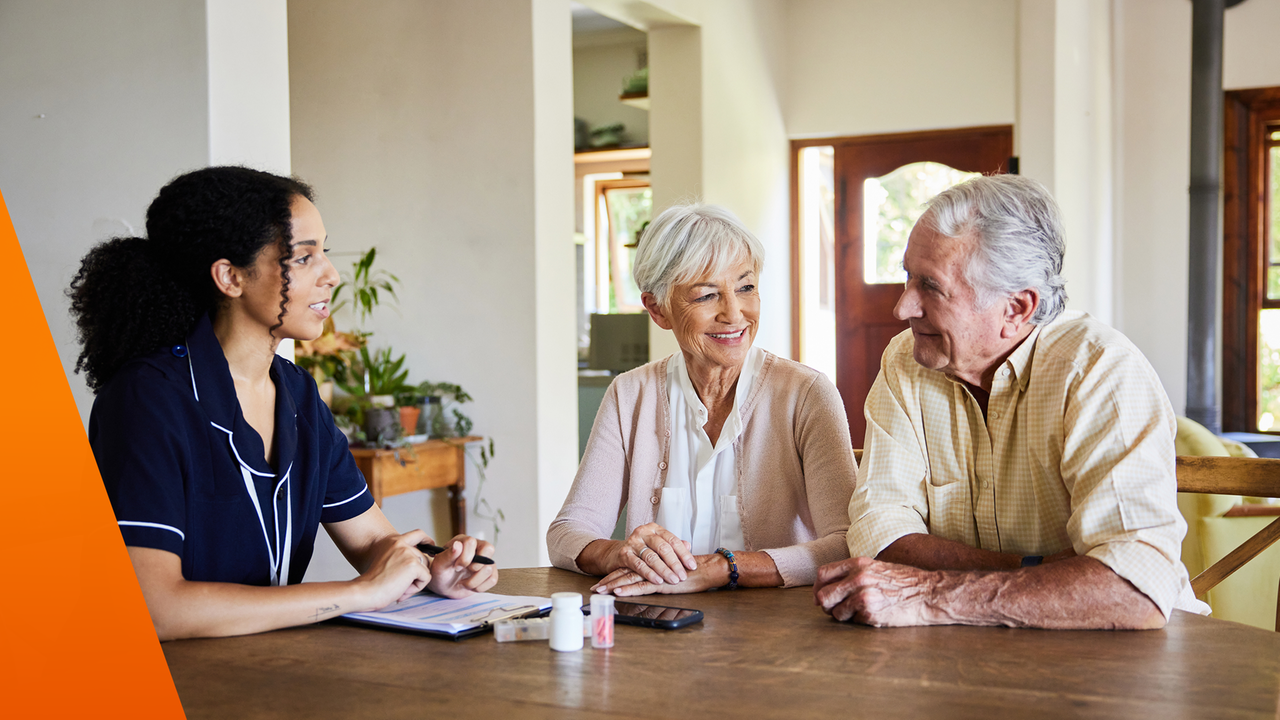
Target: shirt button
x=662 y=466
x=668 y=433
x=653 y=500
x=986 y=484
x=994 y=414
x=1004 y=372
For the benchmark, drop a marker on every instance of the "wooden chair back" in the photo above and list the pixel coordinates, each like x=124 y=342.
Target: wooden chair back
x=1256 y=477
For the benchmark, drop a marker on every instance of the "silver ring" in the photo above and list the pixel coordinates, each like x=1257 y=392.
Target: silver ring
x=642 y=552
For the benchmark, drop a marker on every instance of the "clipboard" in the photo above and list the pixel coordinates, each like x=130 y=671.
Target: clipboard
x=435 y=616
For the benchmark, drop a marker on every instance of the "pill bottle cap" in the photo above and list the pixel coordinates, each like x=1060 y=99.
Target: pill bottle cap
x=601 y=604
x=566 y=600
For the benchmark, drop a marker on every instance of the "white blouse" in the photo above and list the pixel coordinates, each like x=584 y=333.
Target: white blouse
x=700 y=497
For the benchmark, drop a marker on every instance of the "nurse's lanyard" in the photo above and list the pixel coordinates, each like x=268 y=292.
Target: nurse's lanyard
x=277 y=554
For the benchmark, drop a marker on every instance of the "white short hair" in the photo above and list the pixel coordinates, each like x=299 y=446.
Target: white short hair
x=1020 y=242
x=690 y=242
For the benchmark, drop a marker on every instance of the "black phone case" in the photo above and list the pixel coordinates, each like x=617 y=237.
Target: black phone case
x=621 y=619
x=660 y=624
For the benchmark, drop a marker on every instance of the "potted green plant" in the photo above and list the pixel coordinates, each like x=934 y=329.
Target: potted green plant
x=410 y=403
x=442 y=397
x=367 y=286
x=380 y=379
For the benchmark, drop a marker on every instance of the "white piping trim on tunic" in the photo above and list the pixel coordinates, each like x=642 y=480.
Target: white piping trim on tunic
x=239 y=459
x=138 y=523
x=344 y=502
x=277 y=555
x=193 y=376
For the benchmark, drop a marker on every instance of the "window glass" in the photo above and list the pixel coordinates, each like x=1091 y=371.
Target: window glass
x=891 y=205
x=629 y=211
x=1272 y=223
x=1269 y=370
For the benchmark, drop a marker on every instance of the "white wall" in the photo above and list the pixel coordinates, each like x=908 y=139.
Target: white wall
x=717 y=131
x=1082 y=148
x=1153 y=76
x=104 y=103
x=859 y=67
x=1249 y=58
x=441 y=132
x=601 y=61
x=745 y=143
x=249 y=84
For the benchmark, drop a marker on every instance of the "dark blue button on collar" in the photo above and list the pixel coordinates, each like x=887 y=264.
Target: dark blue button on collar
x=179 y=351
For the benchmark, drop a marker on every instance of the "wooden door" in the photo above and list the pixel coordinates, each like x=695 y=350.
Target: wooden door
x=864 y=309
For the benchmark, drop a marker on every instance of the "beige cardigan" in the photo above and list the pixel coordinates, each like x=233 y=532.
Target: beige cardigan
x=795 y=468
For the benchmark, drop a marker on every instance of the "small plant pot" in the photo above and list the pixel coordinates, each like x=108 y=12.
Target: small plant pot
x=433 y=420
x=380 y=425
x=409 y=419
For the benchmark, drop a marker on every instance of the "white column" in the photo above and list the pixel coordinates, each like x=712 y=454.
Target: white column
x=675 y=132
x=1064 y=134
x=554 y=262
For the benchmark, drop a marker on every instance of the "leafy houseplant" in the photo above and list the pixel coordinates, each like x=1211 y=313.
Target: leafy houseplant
x=381 y=379
x=447 y=394
x=365 y=284
x=332 y=355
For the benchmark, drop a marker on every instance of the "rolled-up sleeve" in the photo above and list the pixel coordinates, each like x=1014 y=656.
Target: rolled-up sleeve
x=1118 y=464
x=891 y=499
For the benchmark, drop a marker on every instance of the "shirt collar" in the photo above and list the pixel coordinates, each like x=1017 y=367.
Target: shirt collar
x=679 y=373
x=1019 y=361
x=216 y=393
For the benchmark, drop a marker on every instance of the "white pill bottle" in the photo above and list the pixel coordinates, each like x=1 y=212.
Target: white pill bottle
x=566 y=621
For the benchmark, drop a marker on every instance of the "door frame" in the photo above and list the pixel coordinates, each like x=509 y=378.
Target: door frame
x=948 y=142
x=847 y=141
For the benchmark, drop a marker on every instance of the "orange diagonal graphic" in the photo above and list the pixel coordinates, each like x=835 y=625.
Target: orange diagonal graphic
x=77 y=640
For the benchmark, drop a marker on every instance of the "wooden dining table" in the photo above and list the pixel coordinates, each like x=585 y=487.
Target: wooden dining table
x=759 y=653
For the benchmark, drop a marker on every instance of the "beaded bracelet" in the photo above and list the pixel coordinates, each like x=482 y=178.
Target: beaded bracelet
x=733 y=569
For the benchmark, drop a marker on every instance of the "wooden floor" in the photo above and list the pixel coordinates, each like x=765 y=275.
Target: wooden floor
x=759 y=654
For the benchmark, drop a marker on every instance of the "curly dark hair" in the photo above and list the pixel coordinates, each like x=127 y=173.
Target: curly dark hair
x=133 y=295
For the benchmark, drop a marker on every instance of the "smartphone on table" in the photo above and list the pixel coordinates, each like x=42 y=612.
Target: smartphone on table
x=654 y=616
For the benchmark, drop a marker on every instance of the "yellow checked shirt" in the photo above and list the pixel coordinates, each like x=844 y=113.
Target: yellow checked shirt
x=1077 y=450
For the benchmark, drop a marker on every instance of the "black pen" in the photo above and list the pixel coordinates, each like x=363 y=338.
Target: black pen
x=434 y=550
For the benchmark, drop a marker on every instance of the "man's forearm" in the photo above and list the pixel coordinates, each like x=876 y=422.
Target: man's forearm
x=1076 y=593
x=928 y=552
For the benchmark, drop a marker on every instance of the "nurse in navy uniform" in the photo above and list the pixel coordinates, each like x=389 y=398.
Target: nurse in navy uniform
x=219 y=457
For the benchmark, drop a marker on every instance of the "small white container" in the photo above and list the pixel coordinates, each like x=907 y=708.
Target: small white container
x=566 y=621
x=522 y=629
x=602 y=621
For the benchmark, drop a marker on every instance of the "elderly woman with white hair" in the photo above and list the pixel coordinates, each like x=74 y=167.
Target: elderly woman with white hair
x=734 y=465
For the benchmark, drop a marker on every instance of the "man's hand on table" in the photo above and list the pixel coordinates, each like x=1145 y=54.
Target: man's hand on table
x=878 y=593
x=1071 y=593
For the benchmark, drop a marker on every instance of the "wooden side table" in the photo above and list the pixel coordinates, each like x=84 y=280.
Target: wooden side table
x=421 y=466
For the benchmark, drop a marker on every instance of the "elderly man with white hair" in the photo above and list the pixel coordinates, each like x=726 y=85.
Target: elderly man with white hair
x=734 y=465
x=1019 y=459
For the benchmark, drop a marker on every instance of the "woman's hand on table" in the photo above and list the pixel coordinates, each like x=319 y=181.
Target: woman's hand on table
x=454 y=575
x=625 y=582
x=654 y=554
x=397 y=569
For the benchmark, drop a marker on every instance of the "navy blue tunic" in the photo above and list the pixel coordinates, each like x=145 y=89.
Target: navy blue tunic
x=178 y=460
